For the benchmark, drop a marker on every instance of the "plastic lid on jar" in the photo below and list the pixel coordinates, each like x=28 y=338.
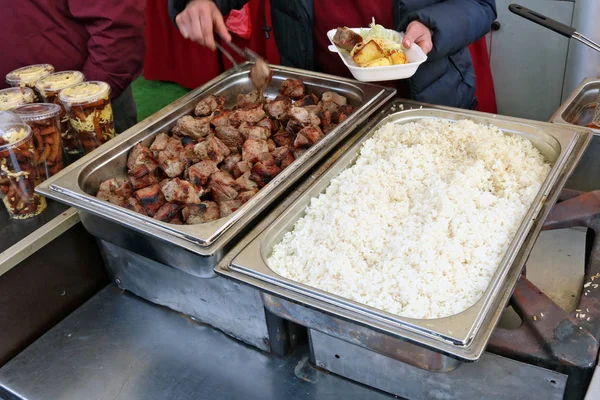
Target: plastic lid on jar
x=85 y=92
x=59 y=80
x=37 y=111
x=12 y=129
x=29 y=75
x=13 y=97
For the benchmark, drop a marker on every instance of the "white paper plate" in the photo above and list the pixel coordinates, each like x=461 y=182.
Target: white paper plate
x=414 y=55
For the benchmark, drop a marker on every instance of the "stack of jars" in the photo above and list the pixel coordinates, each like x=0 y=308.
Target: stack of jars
x=54 y=119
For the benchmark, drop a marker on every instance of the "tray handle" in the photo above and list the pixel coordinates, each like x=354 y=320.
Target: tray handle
x=542 y=20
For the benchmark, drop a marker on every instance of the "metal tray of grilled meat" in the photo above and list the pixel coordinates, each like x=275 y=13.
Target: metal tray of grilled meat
x=180 y=245
x=580 y=106
x=462 y=336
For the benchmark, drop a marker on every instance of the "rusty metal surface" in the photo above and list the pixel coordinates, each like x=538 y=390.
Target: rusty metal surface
x=550 y=337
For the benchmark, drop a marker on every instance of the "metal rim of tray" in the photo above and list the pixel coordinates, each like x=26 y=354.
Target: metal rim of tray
x=473 y=346
x=64 y=187
x=557 y=117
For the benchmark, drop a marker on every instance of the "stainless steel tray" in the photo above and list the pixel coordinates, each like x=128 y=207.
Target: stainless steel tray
x=462 y=336
x=579 y=107
x=178 y=245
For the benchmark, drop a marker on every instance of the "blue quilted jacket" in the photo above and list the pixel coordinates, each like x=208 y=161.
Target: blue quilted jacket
x=447 y=78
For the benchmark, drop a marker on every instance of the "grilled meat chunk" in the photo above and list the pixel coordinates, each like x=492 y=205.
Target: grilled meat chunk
x=241 y=168
x=151 y=198
x=279 y=107
x=141 y=155
x=258 y=133
x=284 y=138
x=330 y=106
x=268 y=123
x=206 y=106
x=346 y=38
x=230 y=162
x=199 y=173
x=222 y=185
x=188 y=156
x=114 y=191
x=253 y=148
x=282 y=156
x=308 y=100
x=169 y=159
x=228 y=207
x=140 y=177
x=201 y=213
x=131 y=203
x=243 y=183
x=250 y=100
x=251 y=115
x=168 y=212
x=160 y=143
x=344 y=112
x=212 y=149
x=303 y=116
x=307 y=137
x=231 y=137
x=220 y=118
x=261 y=74
x=193 y=127
x=263 y=174
x=334 y=97
x=180 y=191
x=292 y=88
x=247 y=195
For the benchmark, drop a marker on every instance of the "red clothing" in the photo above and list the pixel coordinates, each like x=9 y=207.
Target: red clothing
x=103 y=39
x=484 y=82
x=328 y=14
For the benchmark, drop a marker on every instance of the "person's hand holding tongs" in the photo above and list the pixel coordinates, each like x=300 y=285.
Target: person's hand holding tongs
x=198 y=22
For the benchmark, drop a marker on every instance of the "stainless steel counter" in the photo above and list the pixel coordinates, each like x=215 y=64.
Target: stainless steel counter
x=117 y=346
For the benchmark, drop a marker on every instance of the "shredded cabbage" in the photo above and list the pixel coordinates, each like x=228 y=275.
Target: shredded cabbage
x=389 y=38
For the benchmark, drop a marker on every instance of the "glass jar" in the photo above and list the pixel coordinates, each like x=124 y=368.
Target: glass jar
x=90 y=113
x=44 y=121
x=13 y=97
x=28 y=76
x=18 y=176
x=49 y=88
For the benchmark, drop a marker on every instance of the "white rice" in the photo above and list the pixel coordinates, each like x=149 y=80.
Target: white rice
x=419 y=224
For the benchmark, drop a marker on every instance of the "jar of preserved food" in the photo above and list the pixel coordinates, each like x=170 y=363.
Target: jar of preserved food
x=49 y=88
x=28 y=76
x=44 y=121
x=90 y=113
x=18 y=175
x=13 y=97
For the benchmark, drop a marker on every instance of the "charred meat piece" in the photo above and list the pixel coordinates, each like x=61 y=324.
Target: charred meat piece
x=230 y=162
x=346 y=39
x=179 y=191
x=283 y=138
x=303 y=116
x=344 y=112
x=169 y=158
x=336 y=98
x=253 y=148
x=330 y=106
x=271 y=145
x=151 y=198
x=231 y=137
x=279 y=107
x=188 y=156
x=212 y=149
x=247 y=195
x=167 y=212
x=267 y=159
x=268 y=123
x=114 y=191
x=251 y=115
x=282 y=156
x=241 y=168
x=258 y=133
x=228 y=207
x=307 y=137
x=176 y=221
x=193 y=127
x=200 y=213
x=199 y=173
x=250 y=100
x=221 y=185
x=261 y=74
x=141 y=155
x=160 y=143
x=206 y=106
x=162 y=183
x=243 y=183
x=308 y=100
x=292 y=88
x=140 y=177
x=131 y=203
x=220 y=118
x=263 y=174
x=326 y=118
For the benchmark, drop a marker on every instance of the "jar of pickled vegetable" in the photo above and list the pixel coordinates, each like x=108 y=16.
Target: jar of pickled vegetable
x=49 y=88
x=90 y=113
x=18 y=175
x=44 y=121
x=28 y=76
x=13 y=97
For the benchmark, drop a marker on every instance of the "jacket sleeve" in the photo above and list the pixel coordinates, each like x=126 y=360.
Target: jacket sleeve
x=116 y=47
x=455 y=24
x=225 y=6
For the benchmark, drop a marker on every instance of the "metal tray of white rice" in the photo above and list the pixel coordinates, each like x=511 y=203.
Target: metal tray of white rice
x=418 y=231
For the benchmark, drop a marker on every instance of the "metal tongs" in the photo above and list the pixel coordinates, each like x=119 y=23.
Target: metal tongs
x=562 y=29
x=245 y=53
